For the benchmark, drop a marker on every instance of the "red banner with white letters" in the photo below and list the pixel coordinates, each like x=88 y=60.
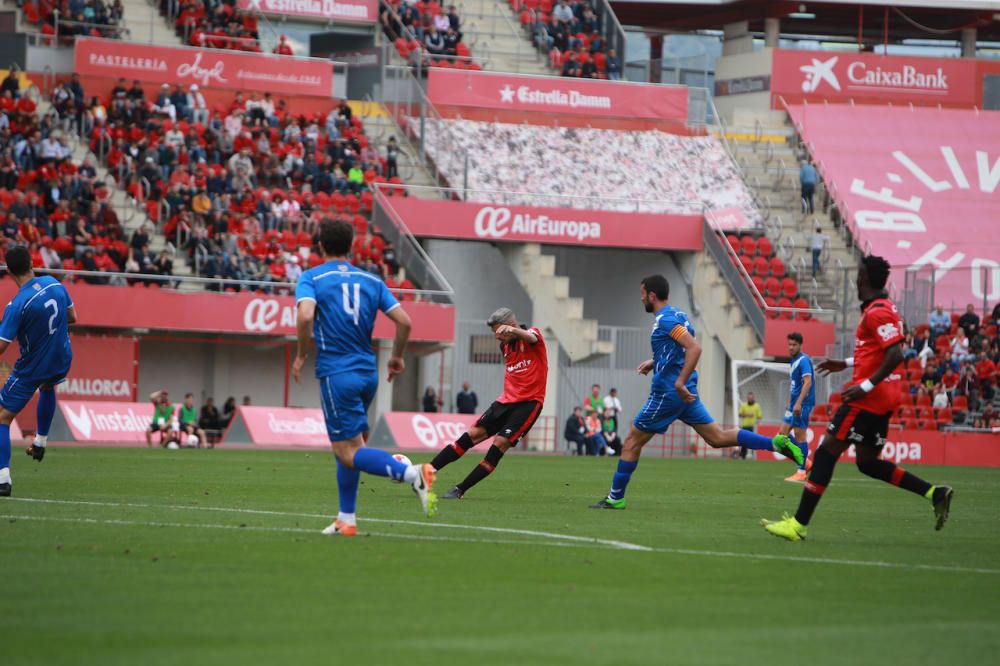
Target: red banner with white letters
x=102 y=422
x=917 y=186
x=420 y=431
x=278 y=426
x=361 y=11
x=209 y=68
x=816 y=76
x=556 y=226
x=210 y=312
x=557 y=95
x=915 y=447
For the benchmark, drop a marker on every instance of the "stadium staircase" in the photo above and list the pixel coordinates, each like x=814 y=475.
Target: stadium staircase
x=768 y=153
x=491 y=29
x=728 y=322
x=146 y=25
x=554 y=308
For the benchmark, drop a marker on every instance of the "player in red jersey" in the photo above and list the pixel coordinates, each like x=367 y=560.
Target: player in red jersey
x=869 y=400
x=511 y=416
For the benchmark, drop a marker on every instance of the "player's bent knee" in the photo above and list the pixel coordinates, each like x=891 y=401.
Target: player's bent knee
x=6 y=416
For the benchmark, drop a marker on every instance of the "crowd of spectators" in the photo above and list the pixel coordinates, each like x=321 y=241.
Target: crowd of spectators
x=71 y=18
x=218 y=25
x=592 y=428
x=425 y=34
x=952 y=364
x=183 y=425
x=569 y=31
x=660 y=172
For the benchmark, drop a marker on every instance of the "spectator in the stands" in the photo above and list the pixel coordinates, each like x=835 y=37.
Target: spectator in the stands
x=986 y=371
x=588 y=70
x=940 y=397
x=807 y=180
x=293 y=271
x=968 y=386
x=613 y=66
x=613 y=407
x=940 y=323
x=11 y=83
x=283 y=47
x=995 y=315
x=564 y=13
x=612 y=443
x=163 y=106
x=430 y=402
x=969 y=321
x=817 y=243
x=196 y=103
x=959 y=348
x=451 y=41
x=593 y=404
x=434 y=42
x=228 y=412
x=466 y=401
x=593 y=436
x=210 y=420
x=987 y=418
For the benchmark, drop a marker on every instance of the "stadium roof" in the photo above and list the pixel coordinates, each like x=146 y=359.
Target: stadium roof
x=915 y=19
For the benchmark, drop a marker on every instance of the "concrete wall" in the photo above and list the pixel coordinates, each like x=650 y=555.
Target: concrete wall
x=739 y=66
x=608 y=281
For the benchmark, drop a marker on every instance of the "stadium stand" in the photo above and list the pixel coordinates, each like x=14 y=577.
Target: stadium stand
x=65 y=20
x=216 y=25
x=681 y=172
x=426 y=34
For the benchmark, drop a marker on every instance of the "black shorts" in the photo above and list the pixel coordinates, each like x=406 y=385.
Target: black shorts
x=512 y=421
x=856 y=426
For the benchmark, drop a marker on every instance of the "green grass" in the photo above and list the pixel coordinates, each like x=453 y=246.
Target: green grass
x=135 y=578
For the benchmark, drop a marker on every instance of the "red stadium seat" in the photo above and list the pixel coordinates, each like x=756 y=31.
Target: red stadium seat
x=777 y=267
x=924 y=413
x=910 y=424
x=773 y=287
x=802 y=304
x=748 y=245
x=747 y=263
x=944 y=414
x=906 y=412
x=758 y=282
x=734 y=242
x=764 y=247
x=923 y=400
x=789 y=288
x=960 y=403
x=785 y=303
x=761 y=266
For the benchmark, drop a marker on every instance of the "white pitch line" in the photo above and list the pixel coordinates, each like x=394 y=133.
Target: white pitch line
x=581 y=541
x=296 y=530
x=609 y=543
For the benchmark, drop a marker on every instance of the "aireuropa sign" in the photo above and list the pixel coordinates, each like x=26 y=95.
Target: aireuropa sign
x=842 y=77
x=554 y=226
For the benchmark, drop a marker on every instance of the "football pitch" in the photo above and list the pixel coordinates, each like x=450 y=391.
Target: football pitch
x=214 y=557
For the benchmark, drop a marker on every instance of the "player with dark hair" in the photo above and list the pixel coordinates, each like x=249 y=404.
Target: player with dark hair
x=674 y=394
x=801 y=402
x=869 y=400
x=511 y=415
x=339 y=303
x=38 y=317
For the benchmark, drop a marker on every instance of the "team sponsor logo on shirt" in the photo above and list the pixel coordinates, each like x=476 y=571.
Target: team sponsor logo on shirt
x=519 y=366
x=888 y=331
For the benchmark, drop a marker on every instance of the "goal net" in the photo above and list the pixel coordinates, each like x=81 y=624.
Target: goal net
x=771 y=385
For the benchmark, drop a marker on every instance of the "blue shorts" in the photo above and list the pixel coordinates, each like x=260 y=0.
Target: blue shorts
x=800 y=421
x=17 y=391
x=345 y=399
x=662 y=409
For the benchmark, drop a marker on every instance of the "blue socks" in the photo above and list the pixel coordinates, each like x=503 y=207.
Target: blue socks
x=379 y=463
x=347 y=488
x=753 y=441
x=4 y=446
x=621 y=478
x=804 y=447
x=46 y=410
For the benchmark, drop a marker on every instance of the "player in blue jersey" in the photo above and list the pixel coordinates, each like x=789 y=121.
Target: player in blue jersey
x=800 y=404
x=337 y=305
x=38 y=317
x=674 y=394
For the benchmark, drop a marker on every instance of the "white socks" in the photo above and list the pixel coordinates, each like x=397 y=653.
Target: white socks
x=412 y=473
x=5 y=475
x=41 y=441
x=348 y=518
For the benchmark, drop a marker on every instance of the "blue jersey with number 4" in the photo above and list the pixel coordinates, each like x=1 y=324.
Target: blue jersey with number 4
x=36 y=318
x=802 y=367
x=347 y=302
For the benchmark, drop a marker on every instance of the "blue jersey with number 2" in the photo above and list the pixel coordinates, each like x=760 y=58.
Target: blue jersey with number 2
x=347 y=302
x=36 y=318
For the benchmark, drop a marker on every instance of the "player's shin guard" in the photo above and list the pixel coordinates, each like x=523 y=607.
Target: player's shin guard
x=883 y=470
x=621 y=478
x=379 y=463
x=483 y=469
x=819 y=479
x=452 y=452
x=4 y=446
x=45 y=412
x=347 y=488
x=752 y=440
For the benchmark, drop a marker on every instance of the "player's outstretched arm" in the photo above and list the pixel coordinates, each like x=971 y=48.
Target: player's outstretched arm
x=403 y=326
x=71 y=315
x=830 y=365
x=304 y=315
x=509 y=333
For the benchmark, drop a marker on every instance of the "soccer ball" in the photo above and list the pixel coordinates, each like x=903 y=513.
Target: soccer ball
x=403 y=459
x=192 y=440
x=173 y=445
